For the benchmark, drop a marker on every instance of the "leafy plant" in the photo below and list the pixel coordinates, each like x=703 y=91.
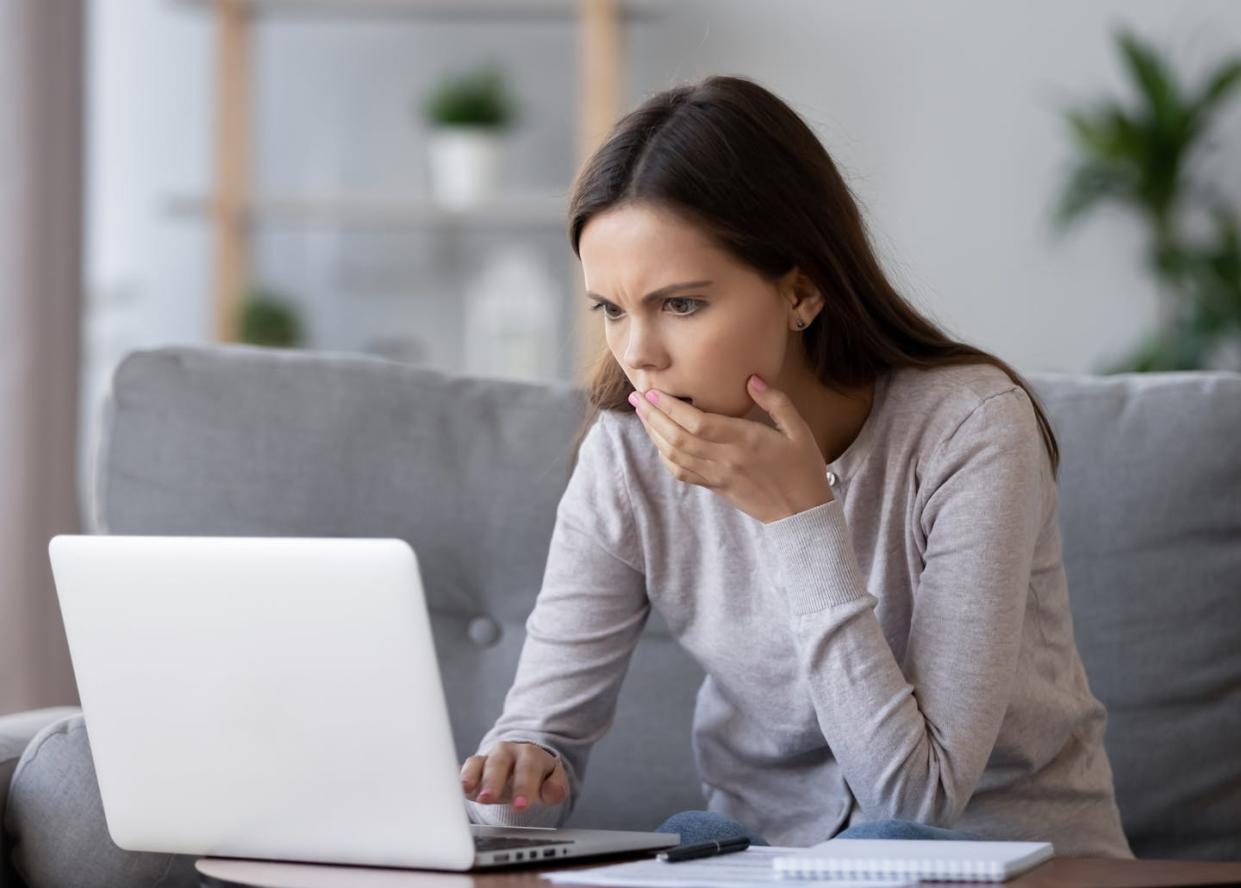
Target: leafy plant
x=269 y=320
x=1140 y=159
x=473 y=98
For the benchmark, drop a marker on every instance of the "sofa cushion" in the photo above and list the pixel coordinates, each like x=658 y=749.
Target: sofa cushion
x=1150 y=512
x=56 y=817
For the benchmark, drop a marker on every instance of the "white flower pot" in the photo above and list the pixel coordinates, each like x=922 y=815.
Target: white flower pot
x=465 y=164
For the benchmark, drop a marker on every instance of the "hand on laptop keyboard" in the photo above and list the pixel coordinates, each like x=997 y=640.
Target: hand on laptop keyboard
x=515 y=772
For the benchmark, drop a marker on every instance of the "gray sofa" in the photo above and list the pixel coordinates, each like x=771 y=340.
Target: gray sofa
x=244 y=441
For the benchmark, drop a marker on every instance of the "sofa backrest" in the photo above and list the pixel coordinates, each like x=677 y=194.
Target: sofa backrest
x=1150 y=515
x=235 y=440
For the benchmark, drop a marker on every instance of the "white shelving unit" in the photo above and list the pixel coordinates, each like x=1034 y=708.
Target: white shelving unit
x=232 y=210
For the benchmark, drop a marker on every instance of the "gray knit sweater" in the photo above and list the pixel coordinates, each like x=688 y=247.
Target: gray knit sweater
x=906 y=650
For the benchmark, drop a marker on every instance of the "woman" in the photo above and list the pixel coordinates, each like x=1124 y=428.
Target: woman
x=846 y=517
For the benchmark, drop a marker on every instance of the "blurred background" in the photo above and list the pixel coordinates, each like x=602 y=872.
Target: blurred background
x=1057 y=182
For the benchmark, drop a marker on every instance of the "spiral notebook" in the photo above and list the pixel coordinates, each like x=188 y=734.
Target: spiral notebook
x=950 y=861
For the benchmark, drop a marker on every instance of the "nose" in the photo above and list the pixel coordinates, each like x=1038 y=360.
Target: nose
x=642 y=349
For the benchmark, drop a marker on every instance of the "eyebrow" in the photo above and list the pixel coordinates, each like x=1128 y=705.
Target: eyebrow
x=656 y=294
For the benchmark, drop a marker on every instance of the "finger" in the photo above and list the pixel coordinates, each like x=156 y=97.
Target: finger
x=698 y=423
x=709 y=428
x=675 y=434
x=683 y=467
x=496 y=773
x=472 y=774
x=555 y=787
x=533 y=764
x=779 y=407
x=687 y=475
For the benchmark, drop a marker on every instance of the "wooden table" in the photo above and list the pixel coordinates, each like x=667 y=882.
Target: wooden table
x=1087 y=872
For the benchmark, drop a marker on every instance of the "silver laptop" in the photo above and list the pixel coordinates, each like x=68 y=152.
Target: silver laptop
x=279 y=699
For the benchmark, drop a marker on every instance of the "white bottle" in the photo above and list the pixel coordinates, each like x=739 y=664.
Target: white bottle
x=512 y=315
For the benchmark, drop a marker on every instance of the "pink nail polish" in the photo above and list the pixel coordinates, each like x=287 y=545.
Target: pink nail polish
x=653 y=396
x=633 y=399
x=484 y=795
x=759 y=385
x=520 y=802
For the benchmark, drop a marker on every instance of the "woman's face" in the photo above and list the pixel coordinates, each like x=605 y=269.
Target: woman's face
x=698 y=342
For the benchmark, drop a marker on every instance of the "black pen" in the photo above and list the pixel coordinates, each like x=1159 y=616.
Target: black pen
x=703 y=849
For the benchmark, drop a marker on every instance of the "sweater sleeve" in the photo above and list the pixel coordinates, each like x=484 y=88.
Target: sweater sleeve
x=913 y=739
x=589 y=613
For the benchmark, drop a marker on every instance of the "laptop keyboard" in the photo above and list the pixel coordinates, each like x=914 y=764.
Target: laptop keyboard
x=506 y=843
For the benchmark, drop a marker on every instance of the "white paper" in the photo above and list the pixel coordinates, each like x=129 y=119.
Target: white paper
x=751 y=868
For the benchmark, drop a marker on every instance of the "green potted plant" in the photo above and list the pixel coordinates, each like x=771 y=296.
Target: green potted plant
x=1140 y=158
x=469 y=114
x=271 y=320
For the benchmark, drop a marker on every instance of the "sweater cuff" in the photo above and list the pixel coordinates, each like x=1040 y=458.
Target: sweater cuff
x=537 y=815
x=817 y=564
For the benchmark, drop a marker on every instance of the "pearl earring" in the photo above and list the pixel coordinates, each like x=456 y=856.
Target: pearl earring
x=800 y=324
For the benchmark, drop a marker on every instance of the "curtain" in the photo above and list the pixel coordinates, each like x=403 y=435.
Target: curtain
x=41 y=198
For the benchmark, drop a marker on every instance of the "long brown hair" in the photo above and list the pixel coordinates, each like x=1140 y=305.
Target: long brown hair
x=732 y=158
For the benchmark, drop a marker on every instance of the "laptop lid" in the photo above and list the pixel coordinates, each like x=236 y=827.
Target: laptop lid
x=273 y=698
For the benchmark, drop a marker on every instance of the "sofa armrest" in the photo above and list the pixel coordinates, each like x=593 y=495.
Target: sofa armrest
x=16 y=731
x=57 y=831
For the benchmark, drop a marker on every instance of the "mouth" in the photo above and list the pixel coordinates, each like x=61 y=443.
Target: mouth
x=686 y=398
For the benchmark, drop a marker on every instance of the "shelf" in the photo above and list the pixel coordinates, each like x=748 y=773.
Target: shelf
x=446 y=10
x=543 y=209
x=230 y=213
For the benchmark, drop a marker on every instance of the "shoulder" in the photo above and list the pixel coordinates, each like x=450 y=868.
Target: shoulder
x=616 y=458
x=948 y=402
x=618 y=437
x=619 y=426
x=634 y=466
x=598 y=500
x=976 y=434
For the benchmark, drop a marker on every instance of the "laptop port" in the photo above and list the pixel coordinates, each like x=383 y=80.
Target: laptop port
x=550 y=852
x=500 y=858
x=520 y=855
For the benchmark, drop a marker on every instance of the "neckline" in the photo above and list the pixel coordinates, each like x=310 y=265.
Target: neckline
x=849 y=462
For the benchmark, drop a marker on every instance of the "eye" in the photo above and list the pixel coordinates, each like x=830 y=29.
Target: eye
x=688 y=304
x=604 y=306
x=685 y=300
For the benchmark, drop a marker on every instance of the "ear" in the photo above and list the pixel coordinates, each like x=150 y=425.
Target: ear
x=801 y=294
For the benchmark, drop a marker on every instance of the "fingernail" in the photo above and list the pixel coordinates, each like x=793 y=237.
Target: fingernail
x=484 y=795
x=653 y=396
x=759 y=385
x=633 y=399
x=520 y=802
